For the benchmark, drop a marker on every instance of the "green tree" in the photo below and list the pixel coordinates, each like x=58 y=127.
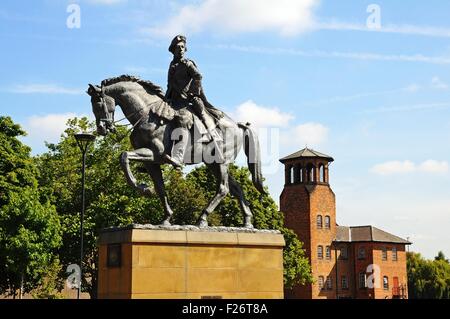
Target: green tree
x=428 y=279
x=29 y=226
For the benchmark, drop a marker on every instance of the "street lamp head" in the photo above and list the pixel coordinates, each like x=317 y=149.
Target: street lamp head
x=83 y=140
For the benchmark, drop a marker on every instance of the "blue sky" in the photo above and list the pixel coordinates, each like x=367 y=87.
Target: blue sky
x=377 y=100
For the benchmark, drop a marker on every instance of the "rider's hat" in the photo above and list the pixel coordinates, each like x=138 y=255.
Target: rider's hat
x=175 y=41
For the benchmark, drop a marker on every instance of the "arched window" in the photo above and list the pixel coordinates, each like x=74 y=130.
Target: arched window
x=328 y=252
x=327 y=222
x=329 y=283
x=321 y=282
x=287 y=173
x=322 y=173
x=310 y=173
x=320 y=252
x=384 y=253
x=292 y=175
x=385 y=283
x=319 y=222
x=300 y=174
x=362 y=280
x=344 y=282
x=394 y=254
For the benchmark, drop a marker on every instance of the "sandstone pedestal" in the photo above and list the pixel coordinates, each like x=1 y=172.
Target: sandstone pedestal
x=190 y=263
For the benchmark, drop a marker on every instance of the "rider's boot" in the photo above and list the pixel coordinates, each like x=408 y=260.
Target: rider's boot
x=178 y=151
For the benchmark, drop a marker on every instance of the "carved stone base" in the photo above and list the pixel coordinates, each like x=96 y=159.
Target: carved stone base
x=187 y=262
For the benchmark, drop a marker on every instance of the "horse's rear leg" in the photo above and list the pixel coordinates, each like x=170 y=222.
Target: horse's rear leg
x=236 y=191
x=221 y=172
x=155 y=172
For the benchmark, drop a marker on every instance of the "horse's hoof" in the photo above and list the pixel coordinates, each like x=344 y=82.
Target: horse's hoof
x=203 y=224
x=166 y=223
x=145 y=190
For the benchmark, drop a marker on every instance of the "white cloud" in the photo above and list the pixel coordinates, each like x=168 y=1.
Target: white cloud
x=394 y=167
x=47 y=128
x=405 y=167
x=432 y=166
x=286 y=17
x=261 y=116
x=308 y=134
x=44 y=89
x=437 y=83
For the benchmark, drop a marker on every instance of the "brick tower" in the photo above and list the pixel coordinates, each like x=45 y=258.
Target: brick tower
x=309 y=207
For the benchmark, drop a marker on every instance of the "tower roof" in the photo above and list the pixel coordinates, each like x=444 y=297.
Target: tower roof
x=306 y=153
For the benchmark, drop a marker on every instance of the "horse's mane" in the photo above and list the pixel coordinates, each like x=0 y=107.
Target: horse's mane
x=149 y=86
x=161 y=109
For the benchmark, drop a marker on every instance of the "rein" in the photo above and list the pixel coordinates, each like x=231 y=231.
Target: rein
x=130 y=129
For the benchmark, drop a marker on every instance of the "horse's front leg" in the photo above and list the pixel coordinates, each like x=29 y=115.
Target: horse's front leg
x=141 y=155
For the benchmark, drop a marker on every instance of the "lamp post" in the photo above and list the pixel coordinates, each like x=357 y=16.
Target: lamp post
x=83 y=141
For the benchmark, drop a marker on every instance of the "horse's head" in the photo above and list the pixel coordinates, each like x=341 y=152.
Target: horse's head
x=103 y=107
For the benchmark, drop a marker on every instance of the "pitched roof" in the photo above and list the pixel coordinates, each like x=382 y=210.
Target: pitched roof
x=306 y=153
x=367 y=234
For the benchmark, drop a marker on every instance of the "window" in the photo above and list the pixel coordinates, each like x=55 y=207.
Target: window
x=322 y=174
x=361 y=253
x=385 y=283
x=321 y=282
x=297 y=174
x=362 y=280
x=319 y=222
x=292 y=175
x=394 y=254
x=320 y=252
x=384 y=253
x=328 y=252
x=344 y=282
x=310 y=173
x=344 y=253
x=327 y=222
x=329 y=283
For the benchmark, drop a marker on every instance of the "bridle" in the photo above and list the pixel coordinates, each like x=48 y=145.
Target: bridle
x=109 y=117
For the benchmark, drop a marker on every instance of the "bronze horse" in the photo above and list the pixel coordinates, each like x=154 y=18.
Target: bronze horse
x=154 y=125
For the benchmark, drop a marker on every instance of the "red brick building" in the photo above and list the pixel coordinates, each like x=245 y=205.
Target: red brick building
x=361 y=262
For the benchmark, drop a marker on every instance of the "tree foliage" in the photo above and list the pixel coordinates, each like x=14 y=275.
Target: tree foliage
x=30 y=231
x=428 y=279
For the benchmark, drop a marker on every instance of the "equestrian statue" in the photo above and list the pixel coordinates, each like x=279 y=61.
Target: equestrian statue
x=179 y=127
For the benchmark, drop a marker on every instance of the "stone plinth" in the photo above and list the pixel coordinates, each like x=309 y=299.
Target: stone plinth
x=190 y=263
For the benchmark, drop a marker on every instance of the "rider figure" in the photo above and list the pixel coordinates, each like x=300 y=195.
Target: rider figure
x=184 y=88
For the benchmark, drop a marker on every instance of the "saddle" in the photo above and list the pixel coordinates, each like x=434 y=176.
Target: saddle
x=186 y=118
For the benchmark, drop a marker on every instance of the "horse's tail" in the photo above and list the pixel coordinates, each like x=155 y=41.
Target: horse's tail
x=253 y=152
